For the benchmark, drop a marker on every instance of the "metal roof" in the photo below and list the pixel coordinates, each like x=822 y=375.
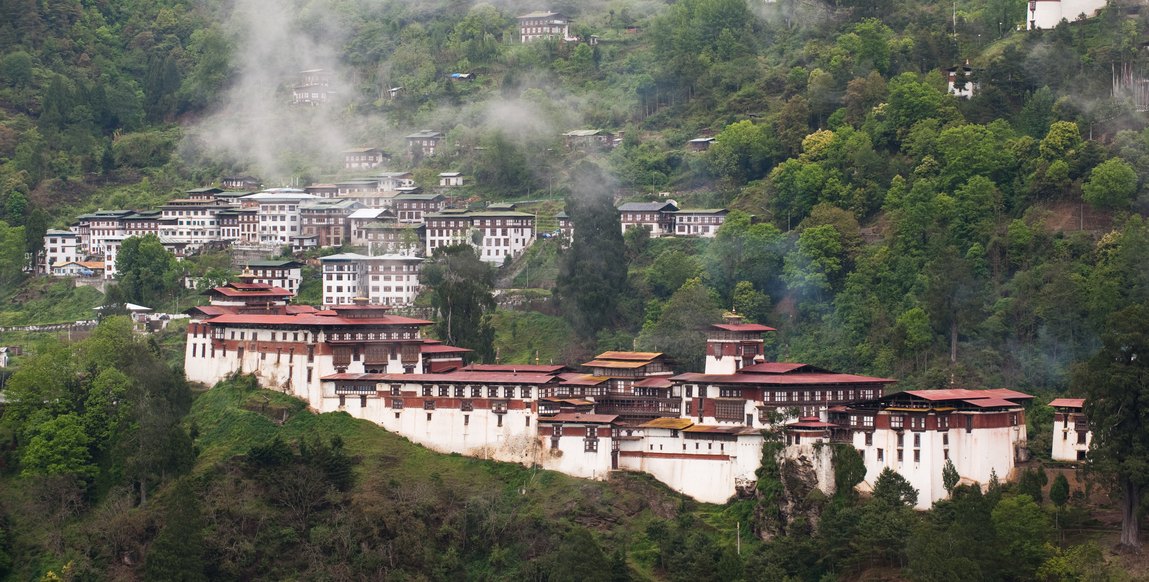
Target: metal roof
x=577 y=417
x=668 y=423
x=1067 y=403
x=743 y=327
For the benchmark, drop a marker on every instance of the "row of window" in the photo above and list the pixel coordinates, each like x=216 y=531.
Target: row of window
x=461 y=391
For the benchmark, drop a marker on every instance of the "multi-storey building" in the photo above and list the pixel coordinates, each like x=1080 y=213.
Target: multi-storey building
x=1048 y=13
x=326 y=220
x=241 y=183
x=249 y=328
x=393 y=238
x=282 y=274
x=702 y=223
x=393 y=181
x=359 y=359
x=322 y=190
x=279 y=216
x=362 y=158
x=411 y=207
x=381 y=280
x=658 y=217
x=313 y=88
x=60 y=248
x=423 y=144
x=192 y=221
x=496 y=235
x=982 y=432
x=543 y=25
x=1071 y=432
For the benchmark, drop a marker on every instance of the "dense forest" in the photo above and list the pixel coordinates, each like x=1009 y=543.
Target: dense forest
x=881 y=224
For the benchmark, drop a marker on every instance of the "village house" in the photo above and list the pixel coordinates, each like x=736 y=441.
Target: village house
x=1072 y=434
x=192 y=221
x=353 y=188
x=60 y=248
x=495 y=234
x=279 y=214
x=322 y=190
x=450 y=179
x=364 y=216
x=700 y=144
x=422 y=144
x=241 y=183
x=657 y=217
x=78 y=269
x=284 y=274
x=544 y=25
x=585 y=139
x=962 y=74
x=325 y=220
x=312 y=88
x=240 y=225
x=362 y=158
x=393 y=181
x=381 y=280
x=206 y=194
x=1049 y=13
x=565 y=227
x=699 y=222
x=411 y=207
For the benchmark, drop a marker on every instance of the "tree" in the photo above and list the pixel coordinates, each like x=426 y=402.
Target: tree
x=580 y=558
x=680 y=331
x=1059 y=495
x=460 y=285
x=950 y=476
x=12 y=259
x=1115 y=382
x=743 y=151
x=1023 y=532
x=1112 y=185
x=58 y=446
x=894 y=490
x=177 y=554
x=592 y=272
x=146 y=271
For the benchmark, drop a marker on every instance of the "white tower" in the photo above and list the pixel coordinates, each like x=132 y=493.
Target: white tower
x=733 y=345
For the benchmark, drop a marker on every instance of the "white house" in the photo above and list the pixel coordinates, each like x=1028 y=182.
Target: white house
x=450 y=179
x=382 y=280
x=496 y=234
x=279 y=215
x=1071 y=432
x=915 y=432
x=60 y=247
x=699 y=222
x=1048 y=13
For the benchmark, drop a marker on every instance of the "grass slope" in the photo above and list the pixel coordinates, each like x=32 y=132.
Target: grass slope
x=233 y=416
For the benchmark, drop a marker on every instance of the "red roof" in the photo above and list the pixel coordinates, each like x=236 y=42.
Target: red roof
x=441 y=349
x=576 y=379
x=966 y=394
x=449 y=377
x=314 y=318
x=655 y=382
x=630 y=356
x=990 y=402
x=773 y=368
x=580 y=417
x=744 y=327
x=535 y=368
x=1068 y=403
x=262 y=292
x=780 y=379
